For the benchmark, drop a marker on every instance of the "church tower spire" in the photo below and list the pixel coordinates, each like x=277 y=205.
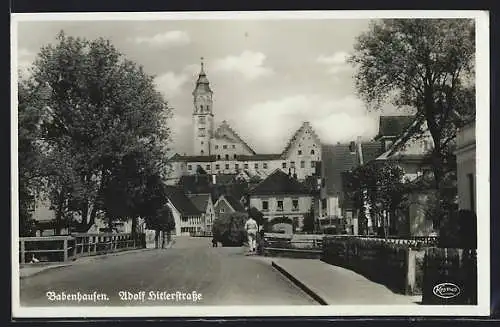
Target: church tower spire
x=202 y=114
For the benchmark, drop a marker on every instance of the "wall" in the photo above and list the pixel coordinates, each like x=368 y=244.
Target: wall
x=177 y=218
x=209 y=215
x=222 y=204
x=301 y=150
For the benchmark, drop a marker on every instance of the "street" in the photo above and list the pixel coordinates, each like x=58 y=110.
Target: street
x=221 y=276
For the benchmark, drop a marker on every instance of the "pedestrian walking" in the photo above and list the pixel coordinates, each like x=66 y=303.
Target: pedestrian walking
x=251 y=228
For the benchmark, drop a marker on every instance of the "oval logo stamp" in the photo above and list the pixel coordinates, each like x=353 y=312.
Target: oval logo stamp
x=446 y=290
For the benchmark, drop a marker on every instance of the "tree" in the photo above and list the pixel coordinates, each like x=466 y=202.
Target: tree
x=425 y=64
x=229 y=228
x=103 y=113
x=378 y=186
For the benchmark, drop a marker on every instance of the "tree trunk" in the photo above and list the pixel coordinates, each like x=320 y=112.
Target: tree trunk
x=134 y=227
x=162 y=239
x=59 y=214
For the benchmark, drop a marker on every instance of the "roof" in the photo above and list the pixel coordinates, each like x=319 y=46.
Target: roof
x=195 y=184
x=178 y=157
x=337 y=159
x=200 y=201
x=259 y=157
x=234 y=203
x=180 y=201
x=371 y=150
x=279 y=183
x=393 y=126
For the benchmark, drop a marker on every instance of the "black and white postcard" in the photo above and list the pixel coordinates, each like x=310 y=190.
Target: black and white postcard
x=317 y=163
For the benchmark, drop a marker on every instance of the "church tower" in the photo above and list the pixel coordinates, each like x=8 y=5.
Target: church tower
x=203 y=117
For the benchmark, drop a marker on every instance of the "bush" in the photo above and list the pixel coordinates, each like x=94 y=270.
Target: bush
x=229 y=229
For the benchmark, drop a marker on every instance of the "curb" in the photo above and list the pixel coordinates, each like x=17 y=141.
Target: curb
x=301 y=285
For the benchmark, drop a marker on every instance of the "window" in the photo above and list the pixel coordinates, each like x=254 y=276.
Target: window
x=246 y=166
x=221 y=210
x=256 y=165
x=202 y=120
x=218 y=157
x=264 y=165
x=202 y=152
x=295 y=205
x=313 y=164
x=302 y=164
x=202 y=142
x=224 y=146
x=236 y=166
x=234 y=146
x=234 y=156
x=216 y=146
x=283 y=165
x=208 y=167
x=217 y=166
x=312 y=151
x=292 y=164
x=470 y=178
x=265 y=205
x=201 y=131
x=300 y=152
x=190 y=167
x=198 y=167
x=280 y=205
x=227 y=156
x=323 y=204
x=227 y=166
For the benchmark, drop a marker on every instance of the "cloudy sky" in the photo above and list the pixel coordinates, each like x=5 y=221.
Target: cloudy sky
x=267 y=76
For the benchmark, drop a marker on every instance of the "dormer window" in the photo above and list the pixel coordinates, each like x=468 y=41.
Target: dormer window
x=300 y=152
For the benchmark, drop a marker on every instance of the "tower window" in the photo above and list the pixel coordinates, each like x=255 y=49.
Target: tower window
x=227 y=156
x=300 y=152
x=256 y=165
x=312 y=151
x=283 y=165
x=227 y=166
x=202 y=152
x=202 y=142
x=302 y=164
x=224 y=146
x=218 y=157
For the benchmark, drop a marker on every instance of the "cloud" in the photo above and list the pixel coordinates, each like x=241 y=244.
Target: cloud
x=334 y=120
x=336 y=63
x=249 y=64
x=25 y=60
x=166 y=39
x=171 y=84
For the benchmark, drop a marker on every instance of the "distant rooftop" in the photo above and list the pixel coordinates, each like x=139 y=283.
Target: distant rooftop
x=393 y=126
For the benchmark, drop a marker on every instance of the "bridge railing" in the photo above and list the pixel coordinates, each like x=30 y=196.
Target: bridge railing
x=69 y=247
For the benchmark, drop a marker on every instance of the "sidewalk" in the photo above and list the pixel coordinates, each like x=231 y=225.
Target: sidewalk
x=28 y=270
x=332 y=285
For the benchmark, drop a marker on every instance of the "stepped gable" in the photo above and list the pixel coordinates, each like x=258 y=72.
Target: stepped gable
x=279 y=183
x=295 y=137
x=222 y=131
x=180 y=201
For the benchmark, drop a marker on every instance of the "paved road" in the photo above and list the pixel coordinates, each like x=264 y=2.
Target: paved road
x=223 y=276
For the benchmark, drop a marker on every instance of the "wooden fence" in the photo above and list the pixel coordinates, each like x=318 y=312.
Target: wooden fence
x=70 y=247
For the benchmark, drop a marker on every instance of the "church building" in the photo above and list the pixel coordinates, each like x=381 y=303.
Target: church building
x=220 y=150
